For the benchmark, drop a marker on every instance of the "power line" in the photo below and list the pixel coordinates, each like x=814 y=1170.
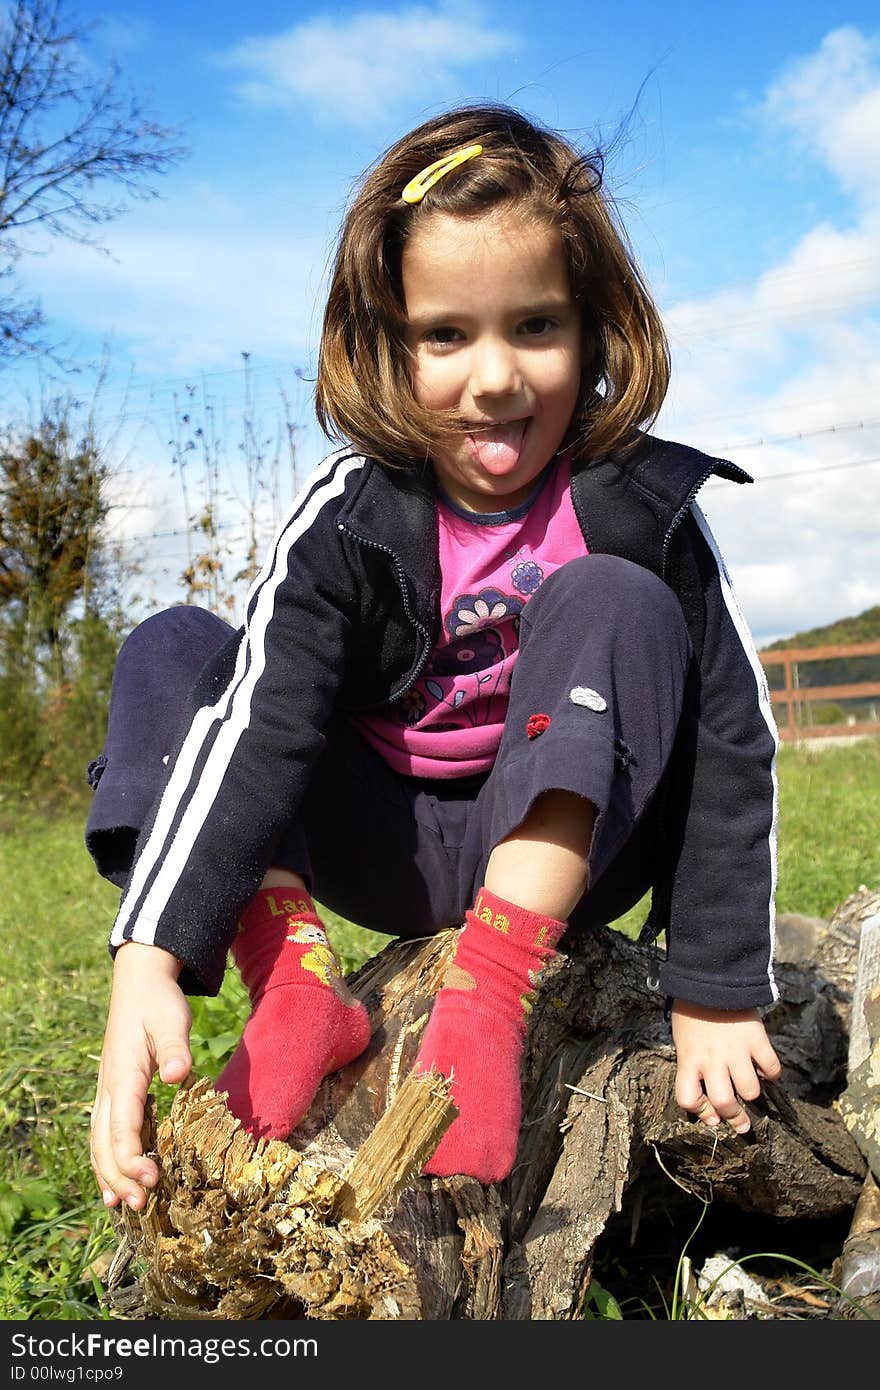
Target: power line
x=811 y=402
x=229 y=525
x=781 y=317
x=800 y=434
x=804 y=472
x=170 y=535
x=775 y=275
x=190 y=382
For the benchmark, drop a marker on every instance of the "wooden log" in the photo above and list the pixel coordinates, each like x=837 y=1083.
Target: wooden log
x=319 y=1228
x=860 y=1100
x=859 y=1271
x=859 y=1105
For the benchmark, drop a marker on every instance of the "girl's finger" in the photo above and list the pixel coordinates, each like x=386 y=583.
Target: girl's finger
x=690 y=1094
x=767 y=1064
x=706 y=1113
x=746 y=1082
x=727 y=1103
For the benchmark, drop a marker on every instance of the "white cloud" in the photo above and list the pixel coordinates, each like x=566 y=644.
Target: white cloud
x=188 y=299
x=830 y=101
x=794 y=360
x=802 y=552
x=355 y=67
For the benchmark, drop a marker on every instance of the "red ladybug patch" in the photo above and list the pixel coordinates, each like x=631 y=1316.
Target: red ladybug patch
x=536 y=724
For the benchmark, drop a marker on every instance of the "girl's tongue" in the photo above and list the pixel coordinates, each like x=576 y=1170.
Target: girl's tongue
x=498 y=448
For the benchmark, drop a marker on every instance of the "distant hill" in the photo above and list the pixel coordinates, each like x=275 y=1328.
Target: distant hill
x=862 y=627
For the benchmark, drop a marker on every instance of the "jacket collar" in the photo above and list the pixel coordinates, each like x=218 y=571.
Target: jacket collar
x=630 y=504
x=667 y=472
x=396 y=511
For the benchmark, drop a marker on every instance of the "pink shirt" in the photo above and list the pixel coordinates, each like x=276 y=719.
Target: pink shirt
x=450 y=723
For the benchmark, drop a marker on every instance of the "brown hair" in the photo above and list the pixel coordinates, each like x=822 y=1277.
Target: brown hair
x=363 y=392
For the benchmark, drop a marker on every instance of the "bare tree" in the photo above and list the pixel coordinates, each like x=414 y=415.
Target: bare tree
x=73 y=148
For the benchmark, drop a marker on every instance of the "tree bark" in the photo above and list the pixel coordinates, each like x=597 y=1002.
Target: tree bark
x=859 y=1104
x=338 y=1223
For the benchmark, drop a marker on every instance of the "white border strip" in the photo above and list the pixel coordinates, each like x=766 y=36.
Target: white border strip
x=766 y=709
x=237 y=699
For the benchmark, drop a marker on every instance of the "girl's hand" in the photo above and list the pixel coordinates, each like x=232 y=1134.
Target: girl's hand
x=147 y=1028
x=722 y=1057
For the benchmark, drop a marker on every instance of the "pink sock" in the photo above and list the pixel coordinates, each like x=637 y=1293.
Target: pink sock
x=304 y=1022
x=476 y=1031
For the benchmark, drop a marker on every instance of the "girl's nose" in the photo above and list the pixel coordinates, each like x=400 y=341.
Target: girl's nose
x=494 y=369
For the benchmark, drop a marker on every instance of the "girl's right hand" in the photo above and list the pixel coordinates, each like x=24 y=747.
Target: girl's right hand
x=147 y=1029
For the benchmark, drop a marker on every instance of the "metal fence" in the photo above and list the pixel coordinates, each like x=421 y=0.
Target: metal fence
x=799 y=699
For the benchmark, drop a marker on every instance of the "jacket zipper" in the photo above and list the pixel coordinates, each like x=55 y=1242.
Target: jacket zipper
x=651 y=928
x=679 y=518
x=680 y=514
x=400 y=575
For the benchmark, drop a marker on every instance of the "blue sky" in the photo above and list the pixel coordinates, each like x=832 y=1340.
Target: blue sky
x=748 y=176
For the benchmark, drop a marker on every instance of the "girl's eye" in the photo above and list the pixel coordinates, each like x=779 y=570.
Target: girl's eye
x=442 y=337
x=538 y=326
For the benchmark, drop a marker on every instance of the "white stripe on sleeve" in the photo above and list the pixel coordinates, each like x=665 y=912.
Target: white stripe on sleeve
x=236 y=701
x=766 y=710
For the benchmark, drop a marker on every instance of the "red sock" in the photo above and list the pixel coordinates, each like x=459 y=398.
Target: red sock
x=476 y=1031
x=304 y=1023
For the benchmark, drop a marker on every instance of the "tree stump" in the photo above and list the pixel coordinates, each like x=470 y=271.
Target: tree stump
x=859 y=1105
x=337 y=1223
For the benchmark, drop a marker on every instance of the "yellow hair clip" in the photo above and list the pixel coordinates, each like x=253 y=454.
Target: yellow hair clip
x=417 y=188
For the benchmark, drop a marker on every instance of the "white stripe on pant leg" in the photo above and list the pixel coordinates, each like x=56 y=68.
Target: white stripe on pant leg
x=766 y=709
x=237 y=697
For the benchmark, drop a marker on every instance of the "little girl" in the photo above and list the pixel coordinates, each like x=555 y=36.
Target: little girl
x=492 y=673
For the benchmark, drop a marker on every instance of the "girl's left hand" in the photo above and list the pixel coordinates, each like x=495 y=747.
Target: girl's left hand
x=722 y=1057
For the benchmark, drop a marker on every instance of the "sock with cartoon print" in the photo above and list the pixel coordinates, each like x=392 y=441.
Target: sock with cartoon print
x=476 y=1032
x=304 y=1022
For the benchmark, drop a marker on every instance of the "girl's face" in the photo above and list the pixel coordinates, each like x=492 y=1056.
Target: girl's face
x=495 y=335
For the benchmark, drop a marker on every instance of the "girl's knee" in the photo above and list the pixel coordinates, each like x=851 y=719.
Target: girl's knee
x=602 y=585
x=167 y=651
x=193 y=633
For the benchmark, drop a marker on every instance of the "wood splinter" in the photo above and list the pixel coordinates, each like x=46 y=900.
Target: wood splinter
x=398 y=1148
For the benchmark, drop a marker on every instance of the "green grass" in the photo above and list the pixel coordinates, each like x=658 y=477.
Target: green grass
x=55 y=915
x=828 y=840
